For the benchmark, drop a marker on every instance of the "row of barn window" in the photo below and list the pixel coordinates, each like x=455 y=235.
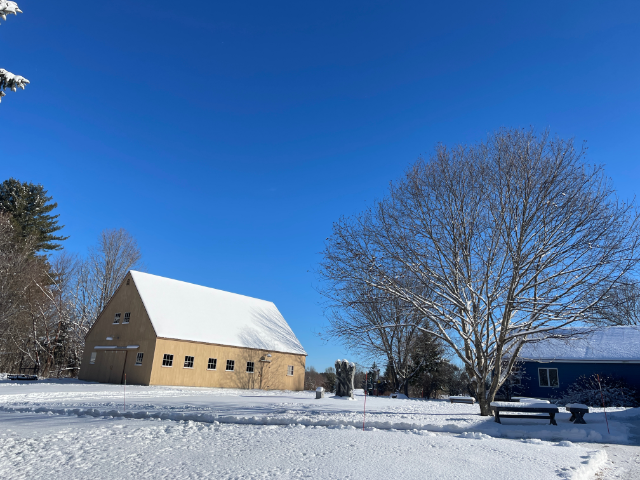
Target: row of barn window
x=212 y=364
x=127 y=318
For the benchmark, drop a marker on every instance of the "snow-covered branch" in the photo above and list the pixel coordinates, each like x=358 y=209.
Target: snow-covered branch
x=8 y=8
x=11 y=81
x=8 y=79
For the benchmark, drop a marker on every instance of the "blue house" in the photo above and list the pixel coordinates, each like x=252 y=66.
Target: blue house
x=550 y=366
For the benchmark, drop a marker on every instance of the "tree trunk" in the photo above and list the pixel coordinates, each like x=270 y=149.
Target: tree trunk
x=484 y=400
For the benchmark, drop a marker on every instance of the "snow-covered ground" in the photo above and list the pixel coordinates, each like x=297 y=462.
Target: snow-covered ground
x=72 y=429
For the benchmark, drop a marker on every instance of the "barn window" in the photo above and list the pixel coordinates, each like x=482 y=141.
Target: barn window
x=249 y=367
x=139 y=358
x=167 y=360
x=548 y=377
x=93 y=358
x=188 y=362
x=117 y=319
x=231 y=364
x=127 y=317
x=290 y=370
x=127 y=281
x=211 y=364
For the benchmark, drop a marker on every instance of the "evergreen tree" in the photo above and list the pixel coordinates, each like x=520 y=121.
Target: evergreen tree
x=29 y=207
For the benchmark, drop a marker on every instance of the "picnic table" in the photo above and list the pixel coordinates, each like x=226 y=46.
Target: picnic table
x=461 y=399
x=529 y=409
x=577 y=412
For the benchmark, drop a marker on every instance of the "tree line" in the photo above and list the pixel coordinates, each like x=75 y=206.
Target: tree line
x=478 y=250
x=49 y=298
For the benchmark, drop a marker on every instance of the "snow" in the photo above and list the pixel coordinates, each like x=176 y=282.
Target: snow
x=400 y=396
x=577 y=405
x=106 y=448
x=462 y=397
x=604 y=344
x=531 y=400
x=524 y=405
x=186 y=311
x=72 y=429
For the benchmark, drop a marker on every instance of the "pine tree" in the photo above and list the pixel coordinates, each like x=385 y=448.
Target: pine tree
x=29 y=207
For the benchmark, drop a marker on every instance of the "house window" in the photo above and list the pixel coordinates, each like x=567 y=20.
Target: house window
x=127 y=317
x=188 y=362
x=167 y=360
x=548 y=377
x=249 y=367
x=290 y=370
x=231 y=364
x=211 y=364
x=93 y=358
x=117 y=319
x=127 y=281
x=139 y=358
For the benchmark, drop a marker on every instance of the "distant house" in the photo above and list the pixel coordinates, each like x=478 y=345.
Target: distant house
x=550 y=366
x=159 y=331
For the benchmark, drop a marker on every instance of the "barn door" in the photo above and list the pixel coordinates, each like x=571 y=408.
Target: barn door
x=118 y=367
x=111 y=366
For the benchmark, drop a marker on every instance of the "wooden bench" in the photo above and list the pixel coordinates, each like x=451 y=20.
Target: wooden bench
x=469 y=400
x=22 y=376
x=527 y=408
x=577 y=412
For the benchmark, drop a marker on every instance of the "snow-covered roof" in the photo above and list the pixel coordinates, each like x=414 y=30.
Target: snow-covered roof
x=185 y=311
x=608 y=344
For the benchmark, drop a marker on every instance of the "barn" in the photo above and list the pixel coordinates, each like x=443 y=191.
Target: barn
x=550 y=366
x=159 y=331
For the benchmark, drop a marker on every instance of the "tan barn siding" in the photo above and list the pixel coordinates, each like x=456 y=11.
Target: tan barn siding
x=272 y=376
x=109 y=364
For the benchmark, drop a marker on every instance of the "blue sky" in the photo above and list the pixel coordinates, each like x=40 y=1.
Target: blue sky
x=228 y=136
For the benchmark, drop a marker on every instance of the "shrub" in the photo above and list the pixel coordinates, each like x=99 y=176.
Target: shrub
x=616 y=392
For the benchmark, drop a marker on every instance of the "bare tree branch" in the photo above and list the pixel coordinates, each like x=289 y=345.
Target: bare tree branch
x=513 y=239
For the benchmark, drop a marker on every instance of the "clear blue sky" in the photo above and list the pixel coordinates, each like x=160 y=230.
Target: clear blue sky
x=228 y=136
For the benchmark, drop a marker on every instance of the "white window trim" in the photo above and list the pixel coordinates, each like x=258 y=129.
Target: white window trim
x=126 y=320
x=253 y=367
x=289 y=369
x=167 y=366
x=92 y=360
x=549 y=378
x=193 y=361
x=216 y=365
x=139 y=364
x=116 y=319
x=227 y=366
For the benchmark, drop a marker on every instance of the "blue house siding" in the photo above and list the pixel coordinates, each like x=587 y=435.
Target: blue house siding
x=568 y=373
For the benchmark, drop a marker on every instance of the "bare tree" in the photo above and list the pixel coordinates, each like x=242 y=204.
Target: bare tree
x=620 y=305
x=30 y=328
x=15 y=263
x=99 y=275
x=380 y=327
x=313 y=379
x=47 y=304
x=513 y=239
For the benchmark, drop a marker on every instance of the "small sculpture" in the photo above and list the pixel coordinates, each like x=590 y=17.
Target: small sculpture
x=345 y=372
x=319 y=392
